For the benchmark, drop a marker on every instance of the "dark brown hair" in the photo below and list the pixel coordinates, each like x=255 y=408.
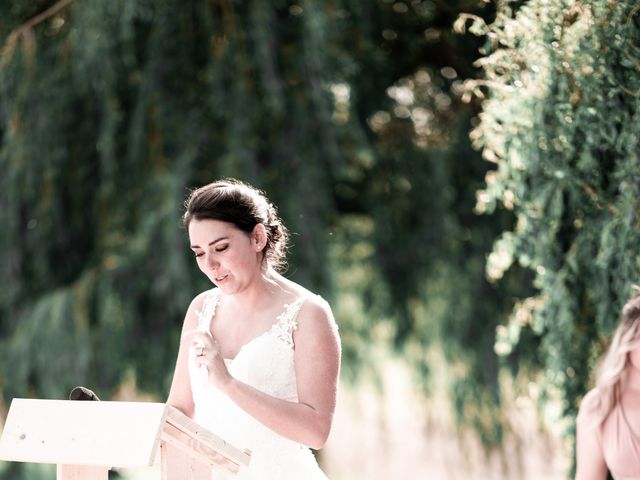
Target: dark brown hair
x=232 y=201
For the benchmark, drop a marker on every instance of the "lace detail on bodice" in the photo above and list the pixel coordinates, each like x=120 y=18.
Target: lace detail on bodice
x=210 y=304
x=287 y=322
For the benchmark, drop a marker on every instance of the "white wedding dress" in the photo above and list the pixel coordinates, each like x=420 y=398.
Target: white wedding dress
x=266 y=363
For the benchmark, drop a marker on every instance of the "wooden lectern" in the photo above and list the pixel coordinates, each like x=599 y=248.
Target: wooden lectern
x=86 y=439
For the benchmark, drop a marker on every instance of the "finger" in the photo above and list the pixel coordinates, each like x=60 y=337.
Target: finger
x=201 y=339
x=198 y=350
x=190 y=334
x=203 y=357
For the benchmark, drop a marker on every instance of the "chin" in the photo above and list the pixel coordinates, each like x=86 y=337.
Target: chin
x=226 y=287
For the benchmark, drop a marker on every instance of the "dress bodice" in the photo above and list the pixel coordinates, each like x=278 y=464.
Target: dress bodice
x=621 y=445
x=267 y=363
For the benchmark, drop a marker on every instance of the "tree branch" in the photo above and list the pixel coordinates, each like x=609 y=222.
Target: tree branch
x=24 y=30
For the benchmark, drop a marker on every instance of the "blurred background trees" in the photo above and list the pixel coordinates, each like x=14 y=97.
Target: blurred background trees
x=561 y=124
x=367 y=124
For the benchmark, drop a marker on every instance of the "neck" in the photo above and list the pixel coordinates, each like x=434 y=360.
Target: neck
x=258 y=293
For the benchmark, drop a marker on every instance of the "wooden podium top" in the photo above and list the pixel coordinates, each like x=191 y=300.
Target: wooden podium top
x=117 y=434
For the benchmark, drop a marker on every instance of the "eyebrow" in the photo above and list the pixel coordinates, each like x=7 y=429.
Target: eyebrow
x=211 y=243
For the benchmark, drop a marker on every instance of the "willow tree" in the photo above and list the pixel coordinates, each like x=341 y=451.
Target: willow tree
x=348 y=114
x=561 y=126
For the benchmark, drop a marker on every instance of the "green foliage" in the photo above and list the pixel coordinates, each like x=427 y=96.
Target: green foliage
x=560 y=123
x=349 y=114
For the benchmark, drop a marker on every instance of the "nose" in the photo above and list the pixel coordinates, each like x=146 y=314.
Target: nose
x=212 y=263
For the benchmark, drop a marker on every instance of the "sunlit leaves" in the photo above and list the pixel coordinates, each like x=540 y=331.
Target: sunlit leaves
x=561 y=124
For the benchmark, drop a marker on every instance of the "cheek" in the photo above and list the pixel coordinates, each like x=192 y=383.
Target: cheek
x=202 y=264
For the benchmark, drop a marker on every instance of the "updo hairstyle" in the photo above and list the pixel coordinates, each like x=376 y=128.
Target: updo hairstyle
x=235 y=202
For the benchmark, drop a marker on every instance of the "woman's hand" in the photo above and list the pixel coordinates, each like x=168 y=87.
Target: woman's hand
x=205 y=351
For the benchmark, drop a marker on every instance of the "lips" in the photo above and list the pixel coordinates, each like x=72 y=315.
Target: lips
x=220 y=278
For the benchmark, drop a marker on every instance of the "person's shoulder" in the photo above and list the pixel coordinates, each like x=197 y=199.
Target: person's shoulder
x=589 y=407
x=591 y=400
x=316 y=328
x=198 y=304
x=315 y=314
x=314 y=301
x=313 y=306
x=198 y=301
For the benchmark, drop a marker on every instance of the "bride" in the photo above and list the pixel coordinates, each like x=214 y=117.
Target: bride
x=259 y=356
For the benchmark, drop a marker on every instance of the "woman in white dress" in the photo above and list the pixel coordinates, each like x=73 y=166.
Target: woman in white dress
x=259 y=356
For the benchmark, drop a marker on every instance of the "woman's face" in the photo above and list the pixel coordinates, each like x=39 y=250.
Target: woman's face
x=228 y=256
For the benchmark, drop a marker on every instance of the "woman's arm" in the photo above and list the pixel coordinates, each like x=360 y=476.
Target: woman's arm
x=590 y=463
x=317 y=363
x=180 y=395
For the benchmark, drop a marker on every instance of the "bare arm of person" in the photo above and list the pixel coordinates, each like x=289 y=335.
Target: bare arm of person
x=590 y=463
x=180 y=395
x=317 y=360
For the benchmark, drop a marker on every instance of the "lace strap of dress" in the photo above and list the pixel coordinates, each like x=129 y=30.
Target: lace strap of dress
x=288 y=322
x=209 y=305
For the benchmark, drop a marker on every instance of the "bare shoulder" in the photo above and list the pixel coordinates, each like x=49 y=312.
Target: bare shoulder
x=316 y=326
x=317 y=311
x=589 y=407
x=316 y=336
x=315 y=316
x=316 y=305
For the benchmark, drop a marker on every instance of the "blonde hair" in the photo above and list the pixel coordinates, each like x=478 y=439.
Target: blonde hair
x=616 y=360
